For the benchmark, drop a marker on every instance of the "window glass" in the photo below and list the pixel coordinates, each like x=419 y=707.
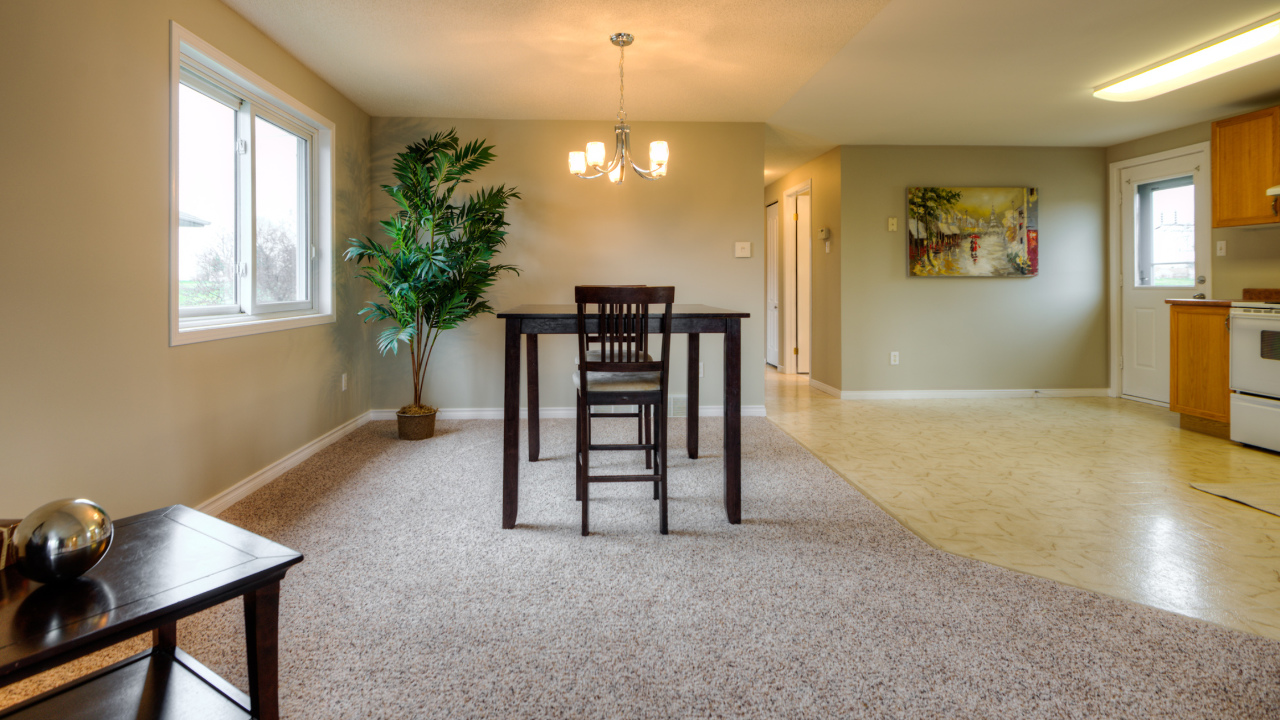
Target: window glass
x=207 y=258
x=1167 y=233
x=280 y=160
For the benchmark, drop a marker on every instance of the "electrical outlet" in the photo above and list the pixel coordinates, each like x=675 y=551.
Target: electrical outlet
x=893 y=358
x=344 y=382
x=1222 y=248
x=893 y=224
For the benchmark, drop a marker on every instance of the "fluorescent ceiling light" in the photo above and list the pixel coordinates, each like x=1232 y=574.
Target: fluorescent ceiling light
x=1236 y=49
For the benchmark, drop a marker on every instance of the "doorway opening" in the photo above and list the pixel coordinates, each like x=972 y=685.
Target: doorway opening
x=794 y=270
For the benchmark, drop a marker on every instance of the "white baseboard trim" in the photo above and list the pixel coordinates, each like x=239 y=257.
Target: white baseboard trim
x=718 y=411
x=551 y=413
x=971 y=394
x=1145 y=401
x=824 y=388
x=244 y=488
x=477 y=413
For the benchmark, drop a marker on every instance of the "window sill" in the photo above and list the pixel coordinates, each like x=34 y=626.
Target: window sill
x=205 y=329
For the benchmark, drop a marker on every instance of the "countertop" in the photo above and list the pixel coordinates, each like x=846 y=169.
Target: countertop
x=1206 y=302
x=1249 y=295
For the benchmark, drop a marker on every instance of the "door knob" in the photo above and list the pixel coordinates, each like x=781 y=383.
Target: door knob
x=1200 y=280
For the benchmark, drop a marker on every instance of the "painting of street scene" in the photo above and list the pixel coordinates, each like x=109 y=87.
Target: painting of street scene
x=973 y=232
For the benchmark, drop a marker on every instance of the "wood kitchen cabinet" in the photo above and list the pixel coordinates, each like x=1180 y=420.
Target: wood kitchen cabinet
x=1200 y=346
x=1246 y=161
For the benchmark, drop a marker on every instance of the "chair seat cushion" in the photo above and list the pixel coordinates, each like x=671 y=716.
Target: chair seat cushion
x=619 y=382
x=595 y=356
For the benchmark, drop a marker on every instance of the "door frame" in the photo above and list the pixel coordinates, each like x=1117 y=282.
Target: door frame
x=786 y=313
x=772 y=272
x=1115 y=271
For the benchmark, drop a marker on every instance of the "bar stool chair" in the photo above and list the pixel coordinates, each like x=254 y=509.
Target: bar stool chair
x=623 y=373
x=644 y=425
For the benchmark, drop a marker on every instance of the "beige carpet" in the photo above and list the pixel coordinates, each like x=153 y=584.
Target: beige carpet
x=413 y=603
x=1263 y=496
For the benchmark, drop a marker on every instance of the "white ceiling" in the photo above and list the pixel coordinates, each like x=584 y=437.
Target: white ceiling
x=698 y=60
x=821 y=73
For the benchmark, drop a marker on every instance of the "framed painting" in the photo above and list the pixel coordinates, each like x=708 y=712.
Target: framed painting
x=973 y=232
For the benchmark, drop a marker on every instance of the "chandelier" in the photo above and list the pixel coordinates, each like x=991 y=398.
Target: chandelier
x=593 y=158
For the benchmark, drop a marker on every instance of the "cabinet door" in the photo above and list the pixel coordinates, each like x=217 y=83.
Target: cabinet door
x=1200 y=347
x=1246 y=161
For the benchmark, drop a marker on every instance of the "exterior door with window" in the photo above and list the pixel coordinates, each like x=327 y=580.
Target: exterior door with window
x=1165 y=238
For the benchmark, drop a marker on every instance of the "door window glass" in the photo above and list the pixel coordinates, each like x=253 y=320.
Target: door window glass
x=1166 y=238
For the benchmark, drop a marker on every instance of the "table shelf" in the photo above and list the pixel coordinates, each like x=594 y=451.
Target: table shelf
x=152 y=685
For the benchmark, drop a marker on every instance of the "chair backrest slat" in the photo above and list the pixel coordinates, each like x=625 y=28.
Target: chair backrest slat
x=598 y=337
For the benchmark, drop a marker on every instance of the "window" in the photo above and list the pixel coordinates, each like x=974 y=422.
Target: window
x=251 y=240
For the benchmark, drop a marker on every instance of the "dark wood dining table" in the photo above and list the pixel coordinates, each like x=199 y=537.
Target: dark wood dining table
x=690 y=320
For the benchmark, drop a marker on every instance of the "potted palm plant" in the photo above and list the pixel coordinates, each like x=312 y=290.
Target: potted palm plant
x=433 y=274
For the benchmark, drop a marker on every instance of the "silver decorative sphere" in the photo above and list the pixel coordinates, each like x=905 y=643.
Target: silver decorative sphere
x=62 y=540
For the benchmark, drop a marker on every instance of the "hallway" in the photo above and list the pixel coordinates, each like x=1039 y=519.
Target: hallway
x=1091 y=492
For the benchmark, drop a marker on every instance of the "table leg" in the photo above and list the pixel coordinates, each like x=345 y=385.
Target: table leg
x=692 y=403
x=531 y=379
x=511 y=426
x=165 y=637
x=261 y=630
x=733 y=420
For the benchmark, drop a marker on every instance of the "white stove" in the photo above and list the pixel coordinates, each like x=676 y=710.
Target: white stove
x=1255 y=373
x=1262 y=306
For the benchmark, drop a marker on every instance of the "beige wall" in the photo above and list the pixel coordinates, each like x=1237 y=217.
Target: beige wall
x=1046 y=332
x=95 y=402
x=824 y=172
x=1170 y=140
x=565 y=231
x=1253 y=254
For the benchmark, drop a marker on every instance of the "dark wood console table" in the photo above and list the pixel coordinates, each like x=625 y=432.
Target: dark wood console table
x=163 y=566
x=691 y=320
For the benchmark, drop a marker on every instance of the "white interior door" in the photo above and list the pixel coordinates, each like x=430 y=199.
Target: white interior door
x=771 y=285
x=804 y=268
x=1165 y=237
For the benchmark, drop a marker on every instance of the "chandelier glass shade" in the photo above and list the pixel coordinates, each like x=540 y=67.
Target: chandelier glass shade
x=591 y=164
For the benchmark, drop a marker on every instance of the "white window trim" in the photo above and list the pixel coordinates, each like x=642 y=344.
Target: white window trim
x=183 y=331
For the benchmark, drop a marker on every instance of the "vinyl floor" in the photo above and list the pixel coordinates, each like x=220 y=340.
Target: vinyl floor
x=1091 y=492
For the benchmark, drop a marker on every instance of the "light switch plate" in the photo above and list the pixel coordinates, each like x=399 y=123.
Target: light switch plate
x=742 y=249
x=893 y=224
x=1222 y=248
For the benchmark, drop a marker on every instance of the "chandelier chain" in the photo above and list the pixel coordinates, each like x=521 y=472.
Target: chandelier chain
x=622 y=113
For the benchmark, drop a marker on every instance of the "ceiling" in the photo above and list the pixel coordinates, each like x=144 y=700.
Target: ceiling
x=820 y=73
